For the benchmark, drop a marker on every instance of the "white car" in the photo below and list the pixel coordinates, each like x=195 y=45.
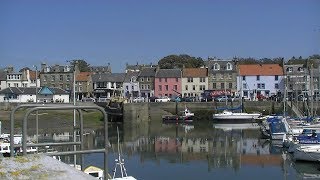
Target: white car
x=138 y=99
x=162 y=99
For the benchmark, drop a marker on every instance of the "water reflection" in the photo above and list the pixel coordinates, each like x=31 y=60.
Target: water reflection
x=172 y=149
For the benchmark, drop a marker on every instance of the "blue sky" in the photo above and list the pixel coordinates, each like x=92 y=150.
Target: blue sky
x=144 y=31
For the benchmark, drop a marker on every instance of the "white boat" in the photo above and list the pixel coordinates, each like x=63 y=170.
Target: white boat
x=307 y=153
x=120 y=163
x=229 y=115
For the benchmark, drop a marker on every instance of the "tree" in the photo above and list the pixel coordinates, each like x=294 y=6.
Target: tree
x=178 y=61
x=82 y=64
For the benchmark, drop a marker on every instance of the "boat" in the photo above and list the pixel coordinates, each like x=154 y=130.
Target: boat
x=94 y=171
x=307 y=153
x=228 y=115
x=275 y=128
x=119 y=162
x=186 y=116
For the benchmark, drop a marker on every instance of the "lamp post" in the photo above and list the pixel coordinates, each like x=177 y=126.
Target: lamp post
x=37 y=117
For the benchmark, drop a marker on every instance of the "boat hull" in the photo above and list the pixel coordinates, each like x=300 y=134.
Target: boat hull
x=234 y=117
x=311 y=153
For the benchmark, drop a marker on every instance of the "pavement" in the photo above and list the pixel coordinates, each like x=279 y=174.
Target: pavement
x=37 y=166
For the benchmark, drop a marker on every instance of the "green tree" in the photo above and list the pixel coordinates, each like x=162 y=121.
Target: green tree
x=82 y=64
x=178 y=61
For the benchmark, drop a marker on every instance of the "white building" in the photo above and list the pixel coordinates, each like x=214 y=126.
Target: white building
x=28 y=94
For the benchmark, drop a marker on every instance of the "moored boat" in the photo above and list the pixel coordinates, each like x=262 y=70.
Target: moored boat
x=227 y=115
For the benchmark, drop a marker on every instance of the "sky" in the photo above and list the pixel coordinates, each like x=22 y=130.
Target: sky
x=144 y=31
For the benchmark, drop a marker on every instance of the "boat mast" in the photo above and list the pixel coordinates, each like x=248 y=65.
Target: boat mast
x=285 y=88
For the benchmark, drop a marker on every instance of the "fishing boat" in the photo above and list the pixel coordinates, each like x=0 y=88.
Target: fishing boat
x=185 y=116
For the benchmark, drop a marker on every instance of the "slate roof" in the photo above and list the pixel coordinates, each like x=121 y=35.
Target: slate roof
x=108 y=77
x=168 y=73
x=148 y=72
x=129 y=75
x=3 y=74
x=260 y=69
x=194 y=72
x=30 y=90
x=222 y=63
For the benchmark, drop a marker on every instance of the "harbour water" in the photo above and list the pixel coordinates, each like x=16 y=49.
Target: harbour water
x=201 y=150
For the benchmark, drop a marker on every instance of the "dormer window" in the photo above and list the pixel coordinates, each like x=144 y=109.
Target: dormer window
x=300 y=69
x=289 y=69
x=229 y=66
x=216 y=66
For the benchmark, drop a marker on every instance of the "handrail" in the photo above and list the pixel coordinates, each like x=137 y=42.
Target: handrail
x=71 y=107
x=13 y=120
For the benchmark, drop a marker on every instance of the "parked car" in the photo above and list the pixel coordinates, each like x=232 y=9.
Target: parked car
x=223 y=98
x=88 y=100
x=153 y=98
x=138 y=99
x=162 y=99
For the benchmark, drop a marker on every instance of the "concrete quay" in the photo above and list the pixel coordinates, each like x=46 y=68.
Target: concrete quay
x=37 y=166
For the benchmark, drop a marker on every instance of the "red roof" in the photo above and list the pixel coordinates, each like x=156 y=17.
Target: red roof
x=83 y=76
x=195 y=72
x=260 y=69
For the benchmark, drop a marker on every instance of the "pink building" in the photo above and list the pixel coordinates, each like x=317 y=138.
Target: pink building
x=167 y=82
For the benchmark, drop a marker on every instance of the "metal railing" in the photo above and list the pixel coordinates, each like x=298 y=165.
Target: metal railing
x=36 y=107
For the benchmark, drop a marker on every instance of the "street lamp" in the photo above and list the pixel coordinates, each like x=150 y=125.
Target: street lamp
x=37 y=117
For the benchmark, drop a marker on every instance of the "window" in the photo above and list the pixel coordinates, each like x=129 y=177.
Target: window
x=244 y=86
x=53 y=78
x=68 y=77
x=160 y=79
x=258 y=78
x=213 y=77
x=16 y=85
x=44 y=78
x=61 y=78
x=276 y=77
x=160 y=88
x=222 y=86
x=148 y=79
x=175 y=87
x=229 y=66
x=202 y=87
x=229 y=76
x=165 y=79
x=194 y=87
x=186 y=87
x=221 y=76
x=300 y=69
x=127 y=88
x=177 y=79
x=261 y=86
x=202 y=79
x=167 y=87
x=190 y=79
x=243 y=78
x=214 y=85
x=289 y=69
x=216 y=66
x=276 y=86
x=230 y=85
x=80 y=88
x=142 y=80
